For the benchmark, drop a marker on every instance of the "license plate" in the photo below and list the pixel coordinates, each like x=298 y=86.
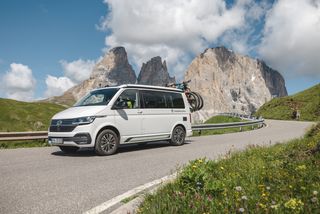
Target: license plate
x=56 y=141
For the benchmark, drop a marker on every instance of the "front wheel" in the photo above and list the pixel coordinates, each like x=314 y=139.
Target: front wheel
x=107 y=142
x=69 y=149
x=178 y=136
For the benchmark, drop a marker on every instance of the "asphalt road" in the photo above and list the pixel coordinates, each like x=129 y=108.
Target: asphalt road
x=44 y=180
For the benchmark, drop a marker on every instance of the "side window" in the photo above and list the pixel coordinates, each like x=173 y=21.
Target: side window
x=169 y=100
x=154 y=99
x=177 y=100
x=129 y=99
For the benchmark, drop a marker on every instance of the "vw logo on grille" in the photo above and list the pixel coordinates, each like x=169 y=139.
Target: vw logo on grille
x=59 y=122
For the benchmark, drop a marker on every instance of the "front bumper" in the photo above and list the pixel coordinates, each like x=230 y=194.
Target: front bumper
x=80 y=136
x=79 y=140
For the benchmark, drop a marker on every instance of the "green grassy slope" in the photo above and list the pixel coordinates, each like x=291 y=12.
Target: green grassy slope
x=306 y=102
x=283 y=178
x=25 y=116
x=223 y=119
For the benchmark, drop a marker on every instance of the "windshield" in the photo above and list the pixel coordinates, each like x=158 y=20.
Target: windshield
x=98 y=97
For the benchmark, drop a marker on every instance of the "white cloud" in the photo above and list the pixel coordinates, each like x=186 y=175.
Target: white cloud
x=291 y=40
x=19 y=83
x=57 y=85
x=174 y=30
x=78 y=70
x=74 y=73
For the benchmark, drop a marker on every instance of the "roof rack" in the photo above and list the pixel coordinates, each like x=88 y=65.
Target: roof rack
x=150 y=87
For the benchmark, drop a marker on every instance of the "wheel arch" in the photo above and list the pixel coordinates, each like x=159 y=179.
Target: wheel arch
x=175 y=125
x=107 y=127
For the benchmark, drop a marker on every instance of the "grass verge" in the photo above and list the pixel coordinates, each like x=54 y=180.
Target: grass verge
x=284 y=178
x=23 y=144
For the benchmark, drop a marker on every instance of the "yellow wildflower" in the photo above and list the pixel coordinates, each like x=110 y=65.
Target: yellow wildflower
x=293 y=204
x=263 y=206
x=301 y=167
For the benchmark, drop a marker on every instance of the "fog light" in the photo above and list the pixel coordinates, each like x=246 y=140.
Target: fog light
x=83 y=138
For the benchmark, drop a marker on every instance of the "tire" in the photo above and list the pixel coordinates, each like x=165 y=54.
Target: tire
x=193 y=101
x=200 y=101
x=69 y=149
x=178 y=136
x=107 y=143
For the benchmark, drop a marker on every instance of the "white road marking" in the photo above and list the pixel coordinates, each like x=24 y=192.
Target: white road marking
x=106 y=205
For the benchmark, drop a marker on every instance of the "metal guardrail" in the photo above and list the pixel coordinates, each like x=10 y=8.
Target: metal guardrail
x=241 y=116
x=200 y=127
x=15 y=136
x=41 y=135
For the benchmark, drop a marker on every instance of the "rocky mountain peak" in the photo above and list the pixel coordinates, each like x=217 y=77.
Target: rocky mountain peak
x=230 y=82
x=116 y=56
x=112 y=69
x=155 y=72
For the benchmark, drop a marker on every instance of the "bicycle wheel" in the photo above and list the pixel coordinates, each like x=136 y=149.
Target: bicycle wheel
x=200 y=101
x=192 y=99
x=197 y=100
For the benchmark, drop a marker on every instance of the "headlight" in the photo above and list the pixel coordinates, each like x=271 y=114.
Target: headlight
x=83 y=120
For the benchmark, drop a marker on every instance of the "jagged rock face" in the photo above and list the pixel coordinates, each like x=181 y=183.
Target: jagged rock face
x=113 y=69
x=154 y=72
x=229 y=82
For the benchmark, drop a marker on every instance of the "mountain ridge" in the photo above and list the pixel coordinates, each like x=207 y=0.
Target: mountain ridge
x=228 y=82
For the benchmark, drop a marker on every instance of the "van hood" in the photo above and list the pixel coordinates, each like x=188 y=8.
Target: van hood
x=80 y=111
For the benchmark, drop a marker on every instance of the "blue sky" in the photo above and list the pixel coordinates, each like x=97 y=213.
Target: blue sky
x=41 y=33
x=51 y=40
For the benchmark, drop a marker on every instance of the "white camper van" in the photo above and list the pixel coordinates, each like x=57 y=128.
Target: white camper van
x=110 y=116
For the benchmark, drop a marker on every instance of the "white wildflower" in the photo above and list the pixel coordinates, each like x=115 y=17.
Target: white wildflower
x=244 y=198
x=239 y=188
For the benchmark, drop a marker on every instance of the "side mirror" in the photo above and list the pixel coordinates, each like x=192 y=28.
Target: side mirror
x=120 y=104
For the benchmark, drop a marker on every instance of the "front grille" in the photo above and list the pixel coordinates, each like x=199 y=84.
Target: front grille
x=63 y=125
x=62 y=128
x=62 y=122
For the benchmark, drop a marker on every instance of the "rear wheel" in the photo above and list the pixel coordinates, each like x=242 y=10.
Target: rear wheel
x=69 y=149
x=178 y=136
x=107 y=142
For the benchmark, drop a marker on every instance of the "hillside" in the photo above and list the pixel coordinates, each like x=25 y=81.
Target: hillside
x=283 y=178
x=307 y=103
x=25 y=116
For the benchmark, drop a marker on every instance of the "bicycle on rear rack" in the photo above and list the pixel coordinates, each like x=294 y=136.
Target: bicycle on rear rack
x=195 y=100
